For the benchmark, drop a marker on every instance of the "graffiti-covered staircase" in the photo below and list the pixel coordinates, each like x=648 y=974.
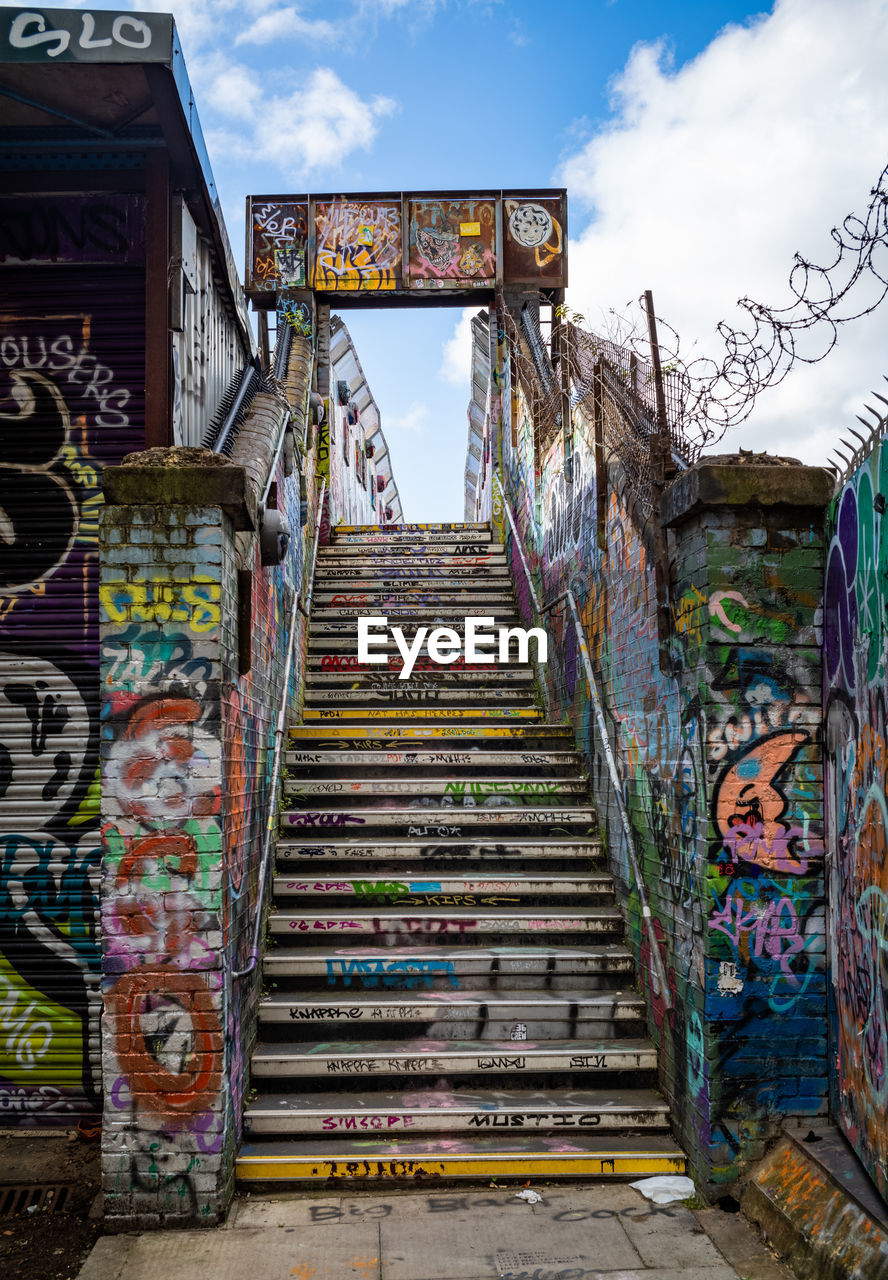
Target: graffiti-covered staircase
x=447 y=989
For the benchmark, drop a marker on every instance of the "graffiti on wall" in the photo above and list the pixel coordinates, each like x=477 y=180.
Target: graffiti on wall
x=718 y=754
x=452 y=241
x=162 y=903
x=357 y=246
x=68 y=407
x=855 y=635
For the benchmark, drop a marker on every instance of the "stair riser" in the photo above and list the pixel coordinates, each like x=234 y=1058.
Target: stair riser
x=414 y=578
x=430 y=824
x=436 y=691
x=464 y=544
x=367 y=890
x=443 y=851
x=389 y=737
x=513 y=1064
x=399 y=718
x=522 y=792
x=429 y=929
x=407 y=597
x=467 y=1122
x=316 y=761
x=333 y=672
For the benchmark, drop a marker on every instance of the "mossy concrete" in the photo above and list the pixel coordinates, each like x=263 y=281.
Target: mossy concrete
x=182 y=476
x=734 y=481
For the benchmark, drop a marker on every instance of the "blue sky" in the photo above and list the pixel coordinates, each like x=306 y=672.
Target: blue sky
x=701 y=144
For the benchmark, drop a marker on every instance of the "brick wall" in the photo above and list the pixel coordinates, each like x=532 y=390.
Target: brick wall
x=717 y=742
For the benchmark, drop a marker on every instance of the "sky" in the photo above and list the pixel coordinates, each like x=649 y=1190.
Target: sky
x=702 y=144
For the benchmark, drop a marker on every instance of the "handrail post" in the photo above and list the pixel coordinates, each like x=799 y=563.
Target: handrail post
x=280 y=729
x=656 y=954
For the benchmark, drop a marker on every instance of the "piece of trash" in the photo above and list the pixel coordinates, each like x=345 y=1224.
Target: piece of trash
x=32 y=1208
x=665 y=1189
x=532 y=1197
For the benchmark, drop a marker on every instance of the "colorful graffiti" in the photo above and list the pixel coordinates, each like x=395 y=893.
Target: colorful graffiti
x=69 y=406
x=357 y=245
x=717 y=740
x=452 y=242
x=855 y=645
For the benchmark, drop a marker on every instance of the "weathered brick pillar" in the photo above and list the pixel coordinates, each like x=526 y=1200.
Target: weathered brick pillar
x=748 y=557
x=168 y=632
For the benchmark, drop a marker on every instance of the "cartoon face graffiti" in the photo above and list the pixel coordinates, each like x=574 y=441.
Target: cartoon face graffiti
x=530 y=225
x=749 y=807
x=438 y=247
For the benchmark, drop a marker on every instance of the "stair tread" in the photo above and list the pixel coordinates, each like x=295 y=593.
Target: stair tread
x=423 y=1046
x=456 y=1100
x=570 y=844
x=448 y=999
x=361 y=1150
x=445 y=953
x=479 y=882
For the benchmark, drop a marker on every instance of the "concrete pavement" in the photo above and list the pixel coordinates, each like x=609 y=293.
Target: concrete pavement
x=602 y=1232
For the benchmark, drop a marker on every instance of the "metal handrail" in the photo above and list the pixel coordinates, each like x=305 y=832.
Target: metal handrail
x=306 y=607
x=533 y=595
x=537 y=609
x=656 y=956
x=280 y=729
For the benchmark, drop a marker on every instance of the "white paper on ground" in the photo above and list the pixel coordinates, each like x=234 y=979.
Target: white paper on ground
x=532 y=1197
x=665 y=1188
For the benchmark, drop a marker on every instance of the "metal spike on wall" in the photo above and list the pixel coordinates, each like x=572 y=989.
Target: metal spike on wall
x=875 y=433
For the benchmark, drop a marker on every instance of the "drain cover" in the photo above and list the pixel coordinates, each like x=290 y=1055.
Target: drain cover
x=32 y=1199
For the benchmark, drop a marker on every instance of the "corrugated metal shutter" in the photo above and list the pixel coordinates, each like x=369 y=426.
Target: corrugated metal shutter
x=72 y=344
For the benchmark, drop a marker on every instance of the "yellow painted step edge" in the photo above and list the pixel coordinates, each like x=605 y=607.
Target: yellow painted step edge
x=464 y=1165
x=425 y=732
x=313 y=714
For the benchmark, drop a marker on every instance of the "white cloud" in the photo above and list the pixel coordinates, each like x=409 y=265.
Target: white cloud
x=710 y=177
x=313 y=128
x=286 y=24
x=456 y=353
x=414 y=418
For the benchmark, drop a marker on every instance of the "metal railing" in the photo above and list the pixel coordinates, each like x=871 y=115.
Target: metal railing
x=616 y=784
x=280 y=730
x=535 y=600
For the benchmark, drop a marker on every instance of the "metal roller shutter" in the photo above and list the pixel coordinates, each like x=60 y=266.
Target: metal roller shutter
x=71 y=402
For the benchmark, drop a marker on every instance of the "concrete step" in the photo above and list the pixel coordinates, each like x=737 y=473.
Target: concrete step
x=431 y=614
x=445 y=852
x=449 y=822
x=401 y=717
x=523 y=790
x=521 y=1156
x=383 y=737
x=450 y=526
x=402 y=886
x=426 y=560
x=325 y=662
x=418 y=537
x=424 y=1057
x=326 y=627
x=428 y=1111
x=407 y=595
x=425 y=689
x=372 y=675
x=519 y=1015
x=423 y=757
x=397 y=924
x=416 y=578
x=451 y=968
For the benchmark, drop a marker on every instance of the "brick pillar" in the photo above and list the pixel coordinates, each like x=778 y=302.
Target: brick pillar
x=748 y=557
x=168 y=633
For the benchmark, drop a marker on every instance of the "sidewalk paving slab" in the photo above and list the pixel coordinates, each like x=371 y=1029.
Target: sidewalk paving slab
x=591 y=1232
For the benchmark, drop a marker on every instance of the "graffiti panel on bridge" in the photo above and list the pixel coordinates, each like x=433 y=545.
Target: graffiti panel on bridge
x=357 y=245
x=452 y=242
